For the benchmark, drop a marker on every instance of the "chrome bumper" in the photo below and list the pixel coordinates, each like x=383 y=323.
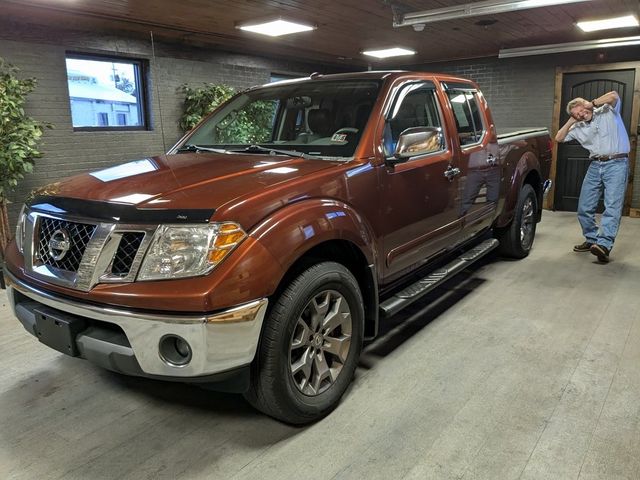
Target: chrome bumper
x=219 y=342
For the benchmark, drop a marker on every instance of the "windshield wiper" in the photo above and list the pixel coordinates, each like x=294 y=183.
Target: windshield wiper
x=275 y=151
x=199 y=148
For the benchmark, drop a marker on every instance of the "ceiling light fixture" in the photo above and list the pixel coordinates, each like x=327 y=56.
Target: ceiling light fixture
x=606 y=24
x=568 y=47
x=489 y=7
x=276 y=28
x=389 y=52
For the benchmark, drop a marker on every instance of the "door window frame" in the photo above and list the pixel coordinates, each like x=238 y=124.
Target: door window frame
x=402 y=91
x=465 y=88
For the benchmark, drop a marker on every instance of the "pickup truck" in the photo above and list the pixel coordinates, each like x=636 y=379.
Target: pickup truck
x=265 y=247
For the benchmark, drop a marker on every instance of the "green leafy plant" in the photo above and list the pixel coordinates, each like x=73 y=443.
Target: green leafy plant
x=250 y=124
x=199 y=102
x=19 y=138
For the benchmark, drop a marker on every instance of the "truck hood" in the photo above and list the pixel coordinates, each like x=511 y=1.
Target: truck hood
x=185 y=181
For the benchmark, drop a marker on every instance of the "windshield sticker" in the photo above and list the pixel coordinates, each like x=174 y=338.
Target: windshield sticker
x=339 y=137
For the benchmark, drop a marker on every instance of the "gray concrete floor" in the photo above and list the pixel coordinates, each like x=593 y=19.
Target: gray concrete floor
x=519 y=369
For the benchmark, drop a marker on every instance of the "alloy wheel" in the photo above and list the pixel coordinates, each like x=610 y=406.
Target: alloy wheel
x=320 y=342
x=527 y=224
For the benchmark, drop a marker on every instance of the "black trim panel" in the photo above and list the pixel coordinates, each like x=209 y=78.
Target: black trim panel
x=117 y=212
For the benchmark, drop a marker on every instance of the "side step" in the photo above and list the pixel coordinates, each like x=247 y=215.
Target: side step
x=413 y=292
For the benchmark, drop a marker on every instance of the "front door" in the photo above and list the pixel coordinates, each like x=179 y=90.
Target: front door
x=419 y=203
x=573 y=160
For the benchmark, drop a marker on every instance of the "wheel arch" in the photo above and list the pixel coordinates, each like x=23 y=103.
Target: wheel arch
x=350 y=256
x=526 y=171
x=317 y=230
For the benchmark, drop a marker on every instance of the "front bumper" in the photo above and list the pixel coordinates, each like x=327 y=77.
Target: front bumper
x=129 y=342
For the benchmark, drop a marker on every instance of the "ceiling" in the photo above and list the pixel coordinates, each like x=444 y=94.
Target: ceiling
x=344 y=28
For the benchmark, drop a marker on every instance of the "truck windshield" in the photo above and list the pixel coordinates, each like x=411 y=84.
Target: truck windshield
x=316 y=118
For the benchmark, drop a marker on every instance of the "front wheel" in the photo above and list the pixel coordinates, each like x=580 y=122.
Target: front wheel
x=310 y=346
x=516 y=239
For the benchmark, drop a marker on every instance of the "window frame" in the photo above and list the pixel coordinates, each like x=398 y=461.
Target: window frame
x=464 y=88
x=403 y=91
x=142 y=81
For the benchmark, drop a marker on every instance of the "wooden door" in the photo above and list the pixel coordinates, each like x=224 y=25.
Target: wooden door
x=573 y=160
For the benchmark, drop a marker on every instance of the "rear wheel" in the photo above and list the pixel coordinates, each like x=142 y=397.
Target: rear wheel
x=516 y=240
x=310 y=346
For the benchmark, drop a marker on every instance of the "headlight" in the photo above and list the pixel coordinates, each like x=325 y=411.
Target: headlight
x=20 y=230
x=179 y=251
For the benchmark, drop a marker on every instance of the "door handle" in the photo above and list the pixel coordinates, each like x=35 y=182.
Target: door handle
x=451 y=172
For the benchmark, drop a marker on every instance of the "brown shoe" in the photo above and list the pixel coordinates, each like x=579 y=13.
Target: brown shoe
x=601 y=252
x=583 y=247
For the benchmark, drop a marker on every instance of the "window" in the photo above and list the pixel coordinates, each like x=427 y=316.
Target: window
x=464 y=104
x=323 y=118
x=416 y=106
x=106 y=93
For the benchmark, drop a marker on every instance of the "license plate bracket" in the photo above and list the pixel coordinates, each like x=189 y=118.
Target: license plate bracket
x=59 y=330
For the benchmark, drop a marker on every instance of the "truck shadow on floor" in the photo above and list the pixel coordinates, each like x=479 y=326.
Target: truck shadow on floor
x=76 y=401
x=75 y=418
x=396 y=330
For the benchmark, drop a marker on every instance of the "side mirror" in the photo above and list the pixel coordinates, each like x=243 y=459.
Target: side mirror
x=418 y=141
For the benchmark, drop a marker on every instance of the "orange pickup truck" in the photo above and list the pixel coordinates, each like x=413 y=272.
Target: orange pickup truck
x=264 y=248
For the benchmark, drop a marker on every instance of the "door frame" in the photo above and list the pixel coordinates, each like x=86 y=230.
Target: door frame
x=633 y=133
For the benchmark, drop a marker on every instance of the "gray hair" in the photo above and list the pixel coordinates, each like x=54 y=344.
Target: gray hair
x=574 y=103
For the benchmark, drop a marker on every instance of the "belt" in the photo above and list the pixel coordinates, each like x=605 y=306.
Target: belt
x=604 y=158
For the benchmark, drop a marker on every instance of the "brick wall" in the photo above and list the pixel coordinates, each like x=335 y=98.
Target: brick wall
x=41 y=53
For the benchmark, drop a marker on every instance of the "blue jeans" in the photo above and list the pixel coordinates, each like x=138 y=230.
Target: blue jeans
x=610 y=176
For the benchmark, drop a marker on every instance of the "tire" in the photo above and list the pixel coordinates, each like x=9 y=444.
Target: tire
x=516 y=239
x=310 y=345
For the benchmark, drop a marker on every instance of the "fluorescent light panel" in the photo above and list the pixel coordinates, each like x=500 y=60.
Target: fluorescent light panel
x=606 y=24
x=276 y=28
x=489 y=7
x=568 y=47
x=389 y=52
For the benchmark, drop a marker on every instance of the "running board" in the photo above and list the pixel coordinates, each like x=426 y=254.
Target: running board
x=413 y=292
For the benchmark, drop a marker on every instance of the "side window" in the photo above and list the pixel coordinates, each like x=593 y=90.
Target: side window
x=416 y=106
x=467 y=115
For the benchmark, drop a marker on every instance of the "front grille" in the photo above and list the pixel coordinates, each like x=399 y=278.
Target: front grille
x=127 y=249
x=79 y=235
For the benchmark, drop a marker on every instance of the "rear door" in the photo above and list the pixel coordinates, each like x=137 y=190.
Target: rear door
x=418 y=205
x=480 y=177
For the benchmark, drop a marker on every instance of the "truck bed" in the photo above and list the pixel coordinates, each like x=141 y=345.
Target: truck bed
x=511 y=134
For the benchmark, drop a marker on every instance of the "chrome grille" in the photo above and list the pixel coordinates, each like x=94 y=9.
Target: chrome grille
x=79 y=236
x=127 y=250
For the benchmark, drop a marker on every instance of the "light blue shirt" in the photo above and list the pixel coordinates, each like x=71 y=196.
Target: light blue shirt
x=604 y=134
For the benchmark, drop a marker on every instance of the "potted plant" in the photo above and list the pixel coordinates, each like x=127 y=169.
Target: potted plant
x=19 y=138
x=250 y=124
x=199 y=102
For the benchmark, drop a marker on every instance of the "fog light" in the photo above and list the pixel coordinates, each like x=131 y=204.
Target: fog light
x=174 y=350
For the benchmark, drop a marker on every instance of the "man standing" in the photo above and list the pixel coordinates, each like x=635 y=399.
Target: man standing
x=598 y=127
